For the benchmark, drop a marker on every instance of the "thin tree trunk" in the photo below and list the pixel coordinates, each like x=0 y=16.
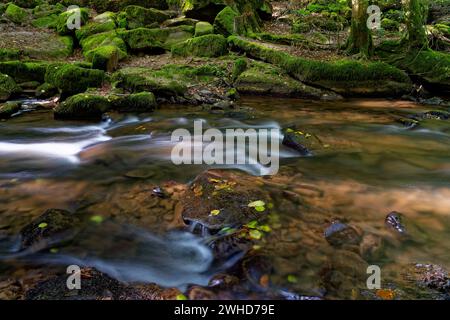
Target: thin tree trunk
x=360 y=40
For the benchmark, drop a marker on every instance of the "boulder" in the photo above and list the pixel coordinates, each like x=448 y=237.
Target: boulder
x=8 y=88
x=211 y=45
x=8 y=109
x=83 y=106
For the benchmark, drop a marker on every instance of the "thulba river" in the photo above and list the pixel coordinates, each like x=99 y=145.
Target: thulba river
x=121 y=204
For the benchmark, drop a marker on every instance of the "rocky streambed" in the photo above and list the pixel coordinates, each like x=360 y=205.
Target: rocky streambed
x=361 y=182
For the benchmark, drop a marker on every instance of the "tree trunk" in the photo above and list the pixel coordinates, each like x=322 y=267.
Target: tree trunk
x=415 y=11
x=360 y=40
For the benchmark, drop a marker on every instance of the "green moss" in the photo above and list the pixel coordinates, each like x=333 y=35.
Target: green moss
x=289 y=39
x=432 y=66
x=46 y=90
x=94 y=28
x=345 y=76
x=143 y=39
x=65 y=17
x=212 y=45
x=389 y=24
x=224 y=21
x=138 y=102
x=105 y=58
x=8 y=87
x=45 y=22
x=9 y=54
x=71 y=79
x=8 y=109
x=104 y=39
x=203 y=28
x=171 y=80
x=240 y=65
x=16 y=14
x=24 y=71
x=138 y=17
x=82 y=106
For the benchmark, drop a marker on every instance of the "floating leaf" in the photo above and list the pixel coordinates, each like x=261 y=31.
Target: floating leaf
x=255 y=234
x=385 y=294
x=307 y=135
x=289 y=130
x=181 y=297
x=214 y=180
x=256 y=247
x=215 y=212
x=258 y=203
x=292 y=279
x=54 y=250
x=260 y=208
x=265 y=228
x=326 y=145
x=252 y=224
x=270 y=205
x=97 y=219
x=42 y=225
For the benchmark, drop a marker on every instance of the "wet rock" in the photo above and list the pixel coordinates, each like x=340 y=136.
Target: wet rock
x=223 y=281
x=428 y=275
x=229 y=245
x=432 y=115
x=295 y=141
x=228 y=195
x=8 y=109
x=371 y=246
x=8 y=87
x=157 y=191
x=83 y=106
x=256 y=269
x=394 y=222
x=53 y=225
x=94 y=286
x=338 y=234
x=200 y=293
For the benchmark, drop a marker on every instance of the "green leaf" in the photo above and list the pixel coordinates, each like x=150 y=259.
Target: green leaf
x=252 y=224
x=215 y=212
x=258 y=203
x=265 y=228
x=97 y=219
x=54 y=250
x=260 y=208
x=255 y=234
x=181 y=297
x=43 y=225
x=292 y=279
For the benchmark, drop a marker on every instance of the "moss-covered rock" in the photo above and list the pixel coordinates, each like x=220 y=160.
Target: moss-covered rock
x=63 y=23
x=103 y=39
x=71 y=79
x=224 y=21
x=46 y=90
x=156 y=39
x=118 y=5
x=389 y=24
x=83 y=106
x=105 y=58
x=16 y=14
x=239 y=66
x=138 y=17
x=8 y=108
x=137 y=102
x=203 y=28
x=169 y=81
x=94 y=28
x=265 y=79
x=431 y=67
x=347 y=77
x=212 y=45
x=38 y=45
x=9 y=54
x=24 y=71
x=8 y=87
x=143 y=40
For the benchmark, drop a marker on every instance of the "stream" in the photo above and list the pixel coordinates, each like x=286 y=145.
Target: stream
x=368 y=165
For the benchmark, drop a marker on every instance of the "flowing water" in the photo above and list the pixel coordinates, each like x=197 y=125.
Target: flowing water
x=368 y=165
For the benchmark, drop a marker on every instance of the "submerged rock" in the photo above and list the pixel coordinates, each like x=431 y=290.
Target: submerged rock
x=218 y=199
x=94 y=286
x=52 y=226
x=338 y=234
x=295 y=140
